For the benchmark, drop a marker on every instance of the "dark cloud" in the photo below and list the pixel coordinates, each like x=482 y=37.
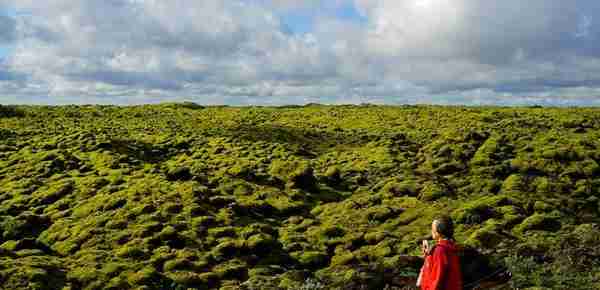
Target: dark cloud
x=130 y=79
x=498 y=31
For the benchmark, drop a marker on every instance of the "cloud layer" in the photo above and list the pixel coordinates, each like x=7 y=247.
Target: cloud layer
x=242 y=52
x=7 y=29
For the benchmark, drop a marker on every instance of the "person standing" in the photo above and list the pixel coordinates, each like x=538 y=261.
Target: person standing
x=441 y=270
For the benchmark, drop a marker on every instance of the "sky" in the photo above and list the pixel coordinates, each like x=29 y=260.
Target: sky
x=268 y=52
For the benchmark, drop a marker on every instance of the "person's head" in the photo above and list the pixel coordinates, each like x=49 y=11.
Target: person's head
x=442 y=227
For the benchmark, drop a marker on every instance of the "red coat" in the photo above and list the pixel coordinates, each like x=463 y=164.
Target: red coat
x=441 y=270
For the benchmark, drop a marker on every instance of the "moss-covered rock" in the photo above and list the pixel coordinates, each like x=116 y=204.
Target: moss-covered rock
x=132 y=251
x=488 y=236
x=296 y=173
x=540 y=221
x=478 y=211
x=146 y=276
x=311 y=259
x=261 y=243
x=333 y=175
x=26 y=225
x=398 y=187
x=179 y=173
x=233 y=269
x=432 y=191
x=189 y=279
x=227 y=249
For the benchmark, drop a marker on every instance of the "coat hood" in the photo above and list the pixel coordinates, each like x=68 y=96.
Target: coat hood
x=449 y=245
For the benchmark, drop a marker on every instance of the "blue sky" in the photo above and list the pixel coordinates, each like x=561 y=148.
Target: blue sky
x=6 y=47
x=4 y=51
x=302 y=20
x=264 y=52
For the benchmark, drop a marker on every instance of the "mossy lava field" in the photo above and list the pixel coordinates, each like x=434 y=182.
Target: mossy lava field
x=180 y=196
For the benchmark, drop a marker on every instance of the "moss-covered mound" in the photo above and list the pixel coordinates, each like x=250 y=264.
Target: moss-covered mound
x=179 y=196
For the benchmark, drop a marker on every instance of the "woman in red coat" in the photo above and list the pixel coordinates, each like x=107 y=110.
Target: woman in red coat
x=441 y=270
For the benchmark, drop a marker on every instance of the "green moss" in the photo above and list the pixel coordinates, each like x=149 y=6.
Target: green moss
x=310 y=258
x=480 y=210
x=396 y=187
x=514 y=183
x=343 y=259
x=511 y=215
x=10 y=245
x=146 y=276
x=23 y=226
x=226 y=249
x=292 y=279
x=432 y=191
x=168 y=197
x=112 y=269
x=131 y=251
x=203 y=222
x=587 y=234
x=374 y=237
x=179 y=173
x=221 y=232
x=244 y=169
x=116 y=283
x=540 y=221
x=258 y=282
x=188 y=279
x=296 y=173
x=333 y=175
x=261 y=243
x=177 y=264
x=488 y=236
x=382 y=250
x=146 y=229
x=84 y=275
x=541 y=207
x=232 y=269
x=409 y=265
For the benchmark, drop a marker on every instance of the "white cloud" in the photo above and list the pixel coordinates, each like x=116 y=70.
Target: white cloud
x=439 y=51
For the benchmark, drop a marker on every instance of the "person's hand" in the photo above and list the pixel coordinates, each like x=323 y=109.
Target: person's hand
x=424 y=248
